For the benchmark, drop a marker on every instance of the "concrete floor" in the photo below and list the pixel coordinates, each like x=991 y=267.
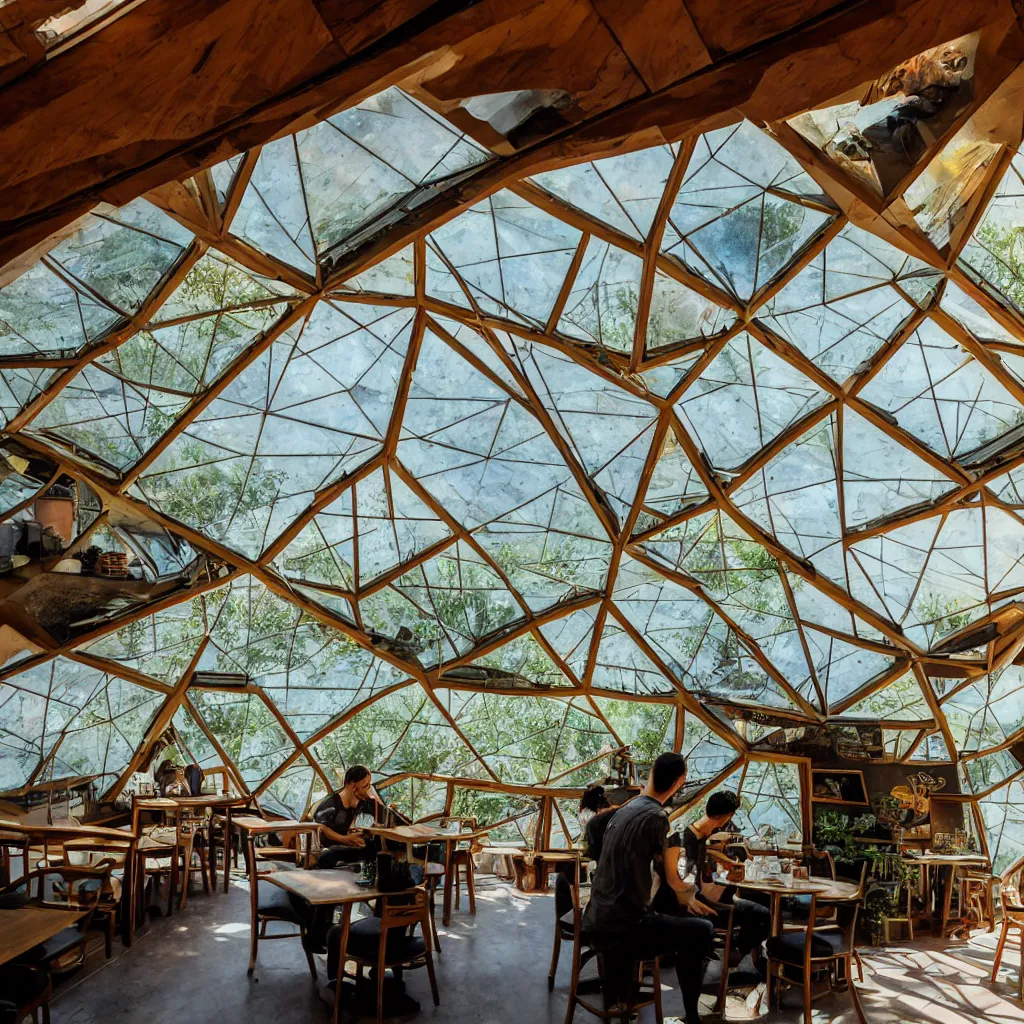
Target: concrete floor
x=191 y=969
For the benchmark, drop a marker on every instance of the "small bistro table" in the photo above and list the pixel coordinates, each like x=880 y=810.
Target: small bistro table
x=337 y=887
x=422 y=835
x=94 y=837
x=957 y=863
x=829 y=889
x=225 y=802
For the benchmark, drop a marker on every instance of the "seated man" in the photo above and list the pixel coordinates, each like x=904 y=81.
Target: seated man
x=752 y=919
x=336 y=816
x=619 y=921
x=338 y=812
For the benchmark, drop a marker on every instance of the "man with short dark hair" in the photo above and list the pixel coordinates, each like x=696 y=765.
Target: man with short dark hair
x=336 y=815
x=619 y=921
x=752 y=919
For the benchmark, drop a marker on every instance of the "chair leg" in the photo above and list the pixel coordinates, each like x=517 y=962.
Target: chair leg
x=470 y=884
x=860 y=967
x=854 y=997
x=456 y=881
x=381 y=970
x=555 y=950
x=309 y=955
x=433 y=979
x=659 y=1014
x=1003 y=935
x=433 y=919
x=574 y=980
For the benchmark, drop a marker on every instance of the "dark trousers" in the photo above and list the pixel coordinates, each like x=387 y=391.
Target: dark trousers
x=686 y=940
x=319 y=919
x=754 y=924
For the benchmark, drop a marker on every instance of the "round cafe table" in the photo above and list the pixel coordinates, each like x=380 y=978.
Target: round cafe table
x=829 y=889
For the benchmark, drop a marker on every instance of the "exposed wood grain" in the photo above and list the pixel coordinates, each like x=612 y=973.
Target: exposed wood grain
x=658 y=37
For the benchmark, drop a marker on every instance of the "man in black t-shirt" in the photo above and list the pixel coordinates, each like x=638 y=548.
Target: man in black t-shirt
x=338 y=813
x=752 y=919
x=619 y=921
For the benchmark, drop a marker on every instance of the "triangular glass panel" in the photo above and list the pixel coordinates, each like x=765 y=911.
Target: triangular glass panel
x=511 y=256
x=621 y=191
x=745 y=399
x=602 y=304
x=308 y=411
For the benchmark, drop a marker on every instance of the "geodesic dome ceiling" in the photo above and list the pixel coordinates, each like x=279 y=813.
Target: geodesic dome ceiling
x=674 y=447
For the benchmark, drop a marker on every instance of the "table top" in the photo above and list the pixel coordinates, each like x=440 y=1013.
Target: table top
x=555 y=856
x=25 y=927
x=948 y=858
x=44 y=832
x=165 y=803
x=330 y=886
x=824 y=888
x=422 y=834
x=257 y=826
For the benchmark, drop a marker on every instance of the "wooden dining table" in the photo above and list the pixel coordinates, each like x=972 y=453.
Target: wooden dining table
x=225 y=802
x=86 y=836
x=935 y=862
x=334 y=887
x=832 y=890
x=25 y=927
x=422 y=835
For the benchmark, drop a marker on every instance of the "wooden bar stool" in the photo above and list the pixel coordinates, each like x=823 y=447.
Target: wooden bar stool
x=462 y=861
x=636 y=997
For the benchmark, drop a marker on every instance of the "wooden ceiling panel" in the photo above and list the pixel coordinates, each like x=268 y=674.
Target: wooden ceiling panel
x=659 y=38
x=728 y=28
x=561 y=45
x=167 y=73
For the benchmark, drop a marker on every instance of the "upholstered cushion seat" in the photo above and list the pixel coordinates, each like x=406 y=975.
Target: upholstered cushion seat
x=273 y=902
x=789 y=946
x=364 y=942
x=57 y=945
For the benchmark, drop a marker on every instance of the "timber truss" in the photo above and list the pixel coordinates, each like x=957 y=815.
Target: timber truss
x=694 y=445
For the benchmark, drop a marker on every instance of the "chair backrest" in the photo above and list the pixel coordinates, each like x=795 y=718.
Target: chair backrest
x=66 y=887
x=821 y=864
x=403 y=909
x=564 y=901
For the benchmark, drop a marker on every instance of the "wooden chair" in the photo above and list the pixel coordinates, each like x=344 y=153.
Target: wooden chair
x=191 y=829
x=77 y=890
x=716 y=979
x=388 y=941
x=978 y=892
x=159 y=844
x=632 y=1000
x=115 y=900
x=566 y=903
x=798 y=955
x=269 y=903
x=1013 y=918
x=462 y=860
x=24 y=991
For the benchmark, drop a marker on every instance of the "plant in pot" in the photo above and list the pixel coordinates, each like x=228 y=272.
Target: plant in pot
x=887 y=897
x=836 y=832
